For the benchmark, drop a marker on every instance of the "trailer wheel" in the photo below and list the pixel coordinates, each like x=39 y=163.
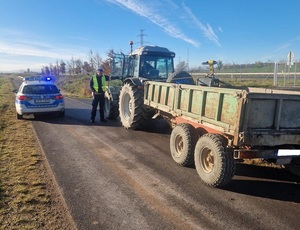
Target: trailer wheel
x=181 y=77
x=133 y=115
x=214 y=164
x=182 y=144
x=294 y=167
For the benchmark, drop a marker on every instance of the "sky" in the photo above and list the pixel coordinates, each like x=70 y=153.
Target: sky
x=35 y=33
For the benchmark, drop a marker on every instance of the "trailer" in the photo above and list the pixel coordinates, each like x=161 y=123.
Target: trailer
x=214 y=127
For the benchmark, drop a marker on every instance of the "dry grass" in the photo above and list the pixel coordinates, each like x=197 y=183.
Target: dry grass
x=28 y=196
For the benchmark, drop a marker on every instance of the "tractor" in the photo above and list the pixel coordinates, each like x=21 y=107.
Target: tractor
x=147 y=63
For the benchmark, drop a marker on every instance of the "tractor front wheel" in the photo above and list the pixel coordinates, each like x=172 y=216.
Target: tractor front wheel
x=132 y=112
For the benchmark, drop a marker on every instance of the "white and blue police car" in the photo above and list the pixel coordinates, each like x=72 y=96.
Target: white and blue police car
x=39 y=95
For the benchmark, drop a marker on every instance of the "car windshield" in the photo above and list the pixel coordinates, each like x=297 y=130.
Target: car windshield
x=40 y=89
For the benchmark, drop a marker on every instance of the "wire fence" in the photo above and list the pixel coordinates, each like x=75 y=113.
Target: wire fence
x=273 y=74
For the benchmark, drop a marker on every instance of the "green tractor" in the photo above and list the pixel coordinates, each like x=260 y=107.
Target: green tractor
x=147 y=63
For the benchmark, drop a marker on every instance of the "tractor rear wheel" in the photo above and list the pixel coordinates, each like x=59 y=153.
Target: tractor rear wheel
x=181 y=77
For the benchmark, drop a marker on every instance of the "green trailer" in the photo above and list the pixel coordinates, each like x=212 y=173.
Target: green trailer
x=213 y=127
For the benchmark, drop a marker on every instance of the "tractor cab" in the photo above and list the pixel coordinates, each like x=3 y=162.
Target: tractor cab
x=149 y=62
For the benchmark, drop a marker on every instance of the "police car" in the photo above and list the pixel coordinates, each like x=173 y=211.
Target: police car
x=39 y=95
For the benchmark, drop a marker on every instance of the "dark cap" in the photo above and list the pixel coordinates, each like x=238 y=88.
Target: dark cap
x=100 y=70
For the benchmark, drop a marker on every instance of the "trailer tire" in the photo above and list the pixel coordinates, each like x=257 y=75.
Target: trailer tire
x=182 y=144
x=294 y=167
x=181 y=77
x=132 y=112
x=214 y=164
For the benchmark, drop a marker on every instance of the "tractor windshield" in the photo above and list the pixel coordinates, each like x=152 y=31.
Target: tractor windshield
x=156 y=67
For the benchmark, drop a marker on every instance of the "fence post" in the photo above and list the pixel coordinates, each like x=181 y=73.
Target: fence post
x=275 y=73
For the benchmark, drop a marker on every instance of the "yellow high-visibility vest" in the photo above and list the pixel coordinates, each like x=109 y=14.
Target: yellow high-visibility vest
x=95 y=83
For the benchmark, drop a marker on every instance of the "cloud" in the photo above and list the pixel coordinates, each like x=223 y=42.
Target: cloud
x=19 y=43
x=34 y=48
x=207 y=30
x=148 y=11
x=290 y=43
x=26 y=51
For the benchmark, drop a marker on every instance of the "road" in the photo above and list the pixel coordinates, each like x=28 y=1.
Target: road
x=113 y=178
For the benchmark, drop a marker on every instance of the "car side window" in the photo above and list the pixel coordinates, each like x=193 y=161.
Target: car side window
x=28 y=89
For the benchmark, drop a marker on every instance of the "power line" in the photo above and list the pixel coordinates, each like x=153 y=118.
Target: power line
x=142 y=35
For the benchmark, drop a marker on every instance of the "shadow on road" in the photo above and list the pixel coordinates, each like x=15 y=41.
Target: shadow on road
x=272 y=183
x=77 y=116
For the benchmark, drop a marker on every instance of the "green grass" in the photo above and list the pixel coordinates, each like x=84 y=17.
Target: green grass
x=78 y=85
x=261 y=82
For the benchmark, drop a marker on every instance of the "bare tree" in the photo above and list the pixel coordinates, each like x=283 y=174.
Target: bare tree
x=62 y=68
x=78 y=66
x=219 y=65
x=91 y=59
x=72 y=65
x=86 y=67
x=95 y=60
x=181 y=66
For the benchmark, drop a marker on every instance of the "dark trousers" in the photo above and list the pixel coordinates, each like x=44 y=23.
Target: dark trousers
x=98 y=99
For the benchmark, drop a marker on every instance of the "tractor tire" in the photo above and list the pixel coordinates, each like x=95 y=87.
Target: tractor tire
x=214 y=164
x=182 y=144
x=181 y=77
x=111 y=106
x=132 y=112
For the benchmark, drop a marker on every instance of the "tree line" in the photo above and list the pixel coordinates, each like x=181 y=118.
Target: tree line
x=77 y=66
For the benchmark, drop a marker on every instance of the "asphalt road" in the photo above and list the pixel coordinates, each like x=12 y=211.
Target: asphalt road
x=113 y=178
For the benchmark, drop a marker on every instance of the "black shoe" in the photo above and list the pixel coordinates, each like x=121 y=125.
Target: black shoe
x=103 y=120
x=92 y=121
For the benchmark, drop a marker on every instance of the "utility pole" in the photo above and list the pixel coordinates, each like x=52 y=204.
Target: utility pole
x=188 y=60
x=142 y=35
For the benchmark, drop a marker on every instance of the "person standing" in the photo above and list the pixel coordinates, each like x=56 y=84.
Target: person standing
x=98 y=88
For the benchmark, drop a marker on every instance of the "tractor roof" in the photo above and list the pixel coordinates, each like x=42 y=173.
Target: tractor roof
x=153 y=50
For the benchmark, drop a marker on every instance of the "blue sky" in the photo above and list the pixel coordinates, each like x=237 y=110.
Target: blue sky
x=34 y=33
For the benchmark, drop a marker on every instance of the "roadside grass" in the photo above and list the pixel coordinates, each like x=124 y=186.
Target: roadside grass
x=27 y=200
x=74 y=85
x=261 y=82
x=78 y=85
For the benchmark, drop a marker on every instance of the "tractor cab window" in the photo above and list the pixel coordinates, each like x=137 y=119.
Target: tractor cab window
x=154 y=67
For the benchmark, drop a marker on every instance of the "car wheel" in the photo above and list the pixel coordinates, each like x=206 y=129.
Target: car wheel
x=19 y=116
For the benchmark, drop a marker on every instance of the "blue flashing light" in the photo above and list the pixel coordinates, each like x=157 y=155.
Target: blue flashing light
x=38 y=78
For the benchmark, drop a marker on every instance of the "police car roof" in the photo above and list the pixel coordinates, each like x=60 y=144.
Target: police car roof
x=38 y=80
